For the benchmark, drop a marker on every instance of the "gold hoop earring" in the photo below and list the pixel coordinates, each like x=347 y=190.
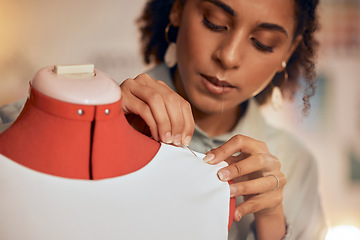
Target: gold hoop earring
x=170 y=57
x=286 y=75
x=167 y=33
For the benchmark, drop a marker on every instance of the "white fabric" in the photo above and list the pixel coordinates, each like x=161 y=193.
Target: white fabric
x=302 y=205
x=175 y=196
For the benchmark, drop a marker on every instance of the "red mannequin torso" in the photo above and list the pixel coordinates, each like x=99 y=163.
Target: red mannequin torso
x=68 y=132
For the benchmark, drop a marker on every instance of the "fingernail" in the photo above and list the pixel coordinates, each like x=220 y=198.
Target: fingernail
x=177 y=139
x=239 y=216
x=187 y=141
x=233 y=191
x=209 y=157
x=168 y=138
x=224 y=175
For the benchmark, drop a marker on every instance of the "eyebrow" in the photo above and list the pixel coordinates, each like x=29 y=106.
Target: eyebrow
x=273 y=27
x=222 y=5
x=228 y=9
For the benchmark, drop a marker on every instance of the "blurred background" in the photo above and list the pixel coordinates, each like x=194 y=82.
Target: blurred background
x=39 y=33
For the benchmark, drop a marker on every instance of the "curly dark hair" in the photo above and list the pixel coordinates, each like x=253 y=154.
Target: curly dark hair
x=300 y=67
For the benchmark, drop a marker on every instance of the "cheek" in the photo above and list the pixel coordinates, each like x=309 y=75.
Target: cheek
x=193 y=46
x=260 y=73
x=185 y=47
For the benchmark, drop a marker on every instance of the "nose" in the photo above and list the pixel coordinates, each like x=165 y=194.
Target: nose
x=229 y=52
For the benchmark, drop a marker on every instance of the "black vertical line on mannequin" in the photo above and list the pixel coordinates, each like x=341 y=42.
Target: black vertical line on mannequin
x=92 y=127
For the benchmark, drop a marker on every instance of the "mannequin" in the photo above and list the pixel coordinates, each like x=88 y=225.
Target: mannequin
x=72 y=126
x=72 y=130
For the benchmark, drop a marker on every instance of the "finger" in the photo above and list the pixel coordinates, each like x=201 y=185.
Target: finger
x=156 y=103
x=236 y=144
x=125 y=92
x=257 y=186
x=189 y=127
x=174 y=109
x=236 y=158
x=251 y=164
x=150 y=92
x=258 y=203
x=179 y=113
x=162 y=83
x=182 y=120
x=171 y=112
x=140 y=108
x=173 y=103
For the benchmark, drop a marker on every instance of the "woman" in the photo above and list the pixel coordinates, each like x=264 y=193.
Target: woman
x=231 y=56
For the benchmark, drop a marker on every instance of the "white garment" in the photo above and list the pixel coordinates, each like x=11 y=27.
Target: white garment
x=302 y=206
x=175 y=196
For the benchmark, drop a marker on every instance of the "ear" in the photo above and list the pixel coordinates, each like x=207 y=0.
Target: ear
x=175 y=13
x=292 y=49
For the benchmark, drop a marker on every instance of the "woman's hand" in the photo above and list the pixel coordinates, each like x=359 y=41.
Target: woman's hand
x=152 y=105
x=256 y=175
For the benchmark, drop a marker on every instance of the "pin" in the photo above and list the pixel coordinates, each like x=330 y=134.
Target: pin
x=189 y=150
x=222 y=103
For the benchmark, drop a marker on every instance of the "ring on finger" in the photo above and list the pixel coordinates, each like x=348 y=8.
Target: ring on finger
x=277 y=181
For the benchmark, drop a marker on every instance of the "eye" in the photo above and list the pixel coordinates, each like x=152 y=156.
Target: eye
x=212 y=26
x=261 y=46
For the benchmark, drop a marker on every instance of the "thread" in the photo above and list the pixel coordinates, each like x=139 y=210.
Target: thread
x=222 y=103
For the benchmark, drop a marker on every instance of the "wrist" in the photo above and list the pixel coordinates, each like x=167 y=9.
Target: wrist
x=270 y=224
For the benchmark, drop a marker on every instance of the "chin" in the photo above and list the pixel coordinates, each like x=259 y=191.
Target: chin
x=207 y=105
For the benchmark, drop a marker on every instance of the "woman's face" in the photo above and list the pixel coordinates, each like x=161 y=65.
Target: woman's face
x=229 y=50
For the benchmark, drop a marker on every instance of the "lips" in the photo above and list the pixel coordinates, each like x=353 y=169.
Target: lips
x=216 y=86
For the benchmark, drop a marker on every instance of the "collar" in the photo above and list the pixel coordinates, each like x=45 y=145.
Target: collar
x=251 y=124
x=74 y=111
